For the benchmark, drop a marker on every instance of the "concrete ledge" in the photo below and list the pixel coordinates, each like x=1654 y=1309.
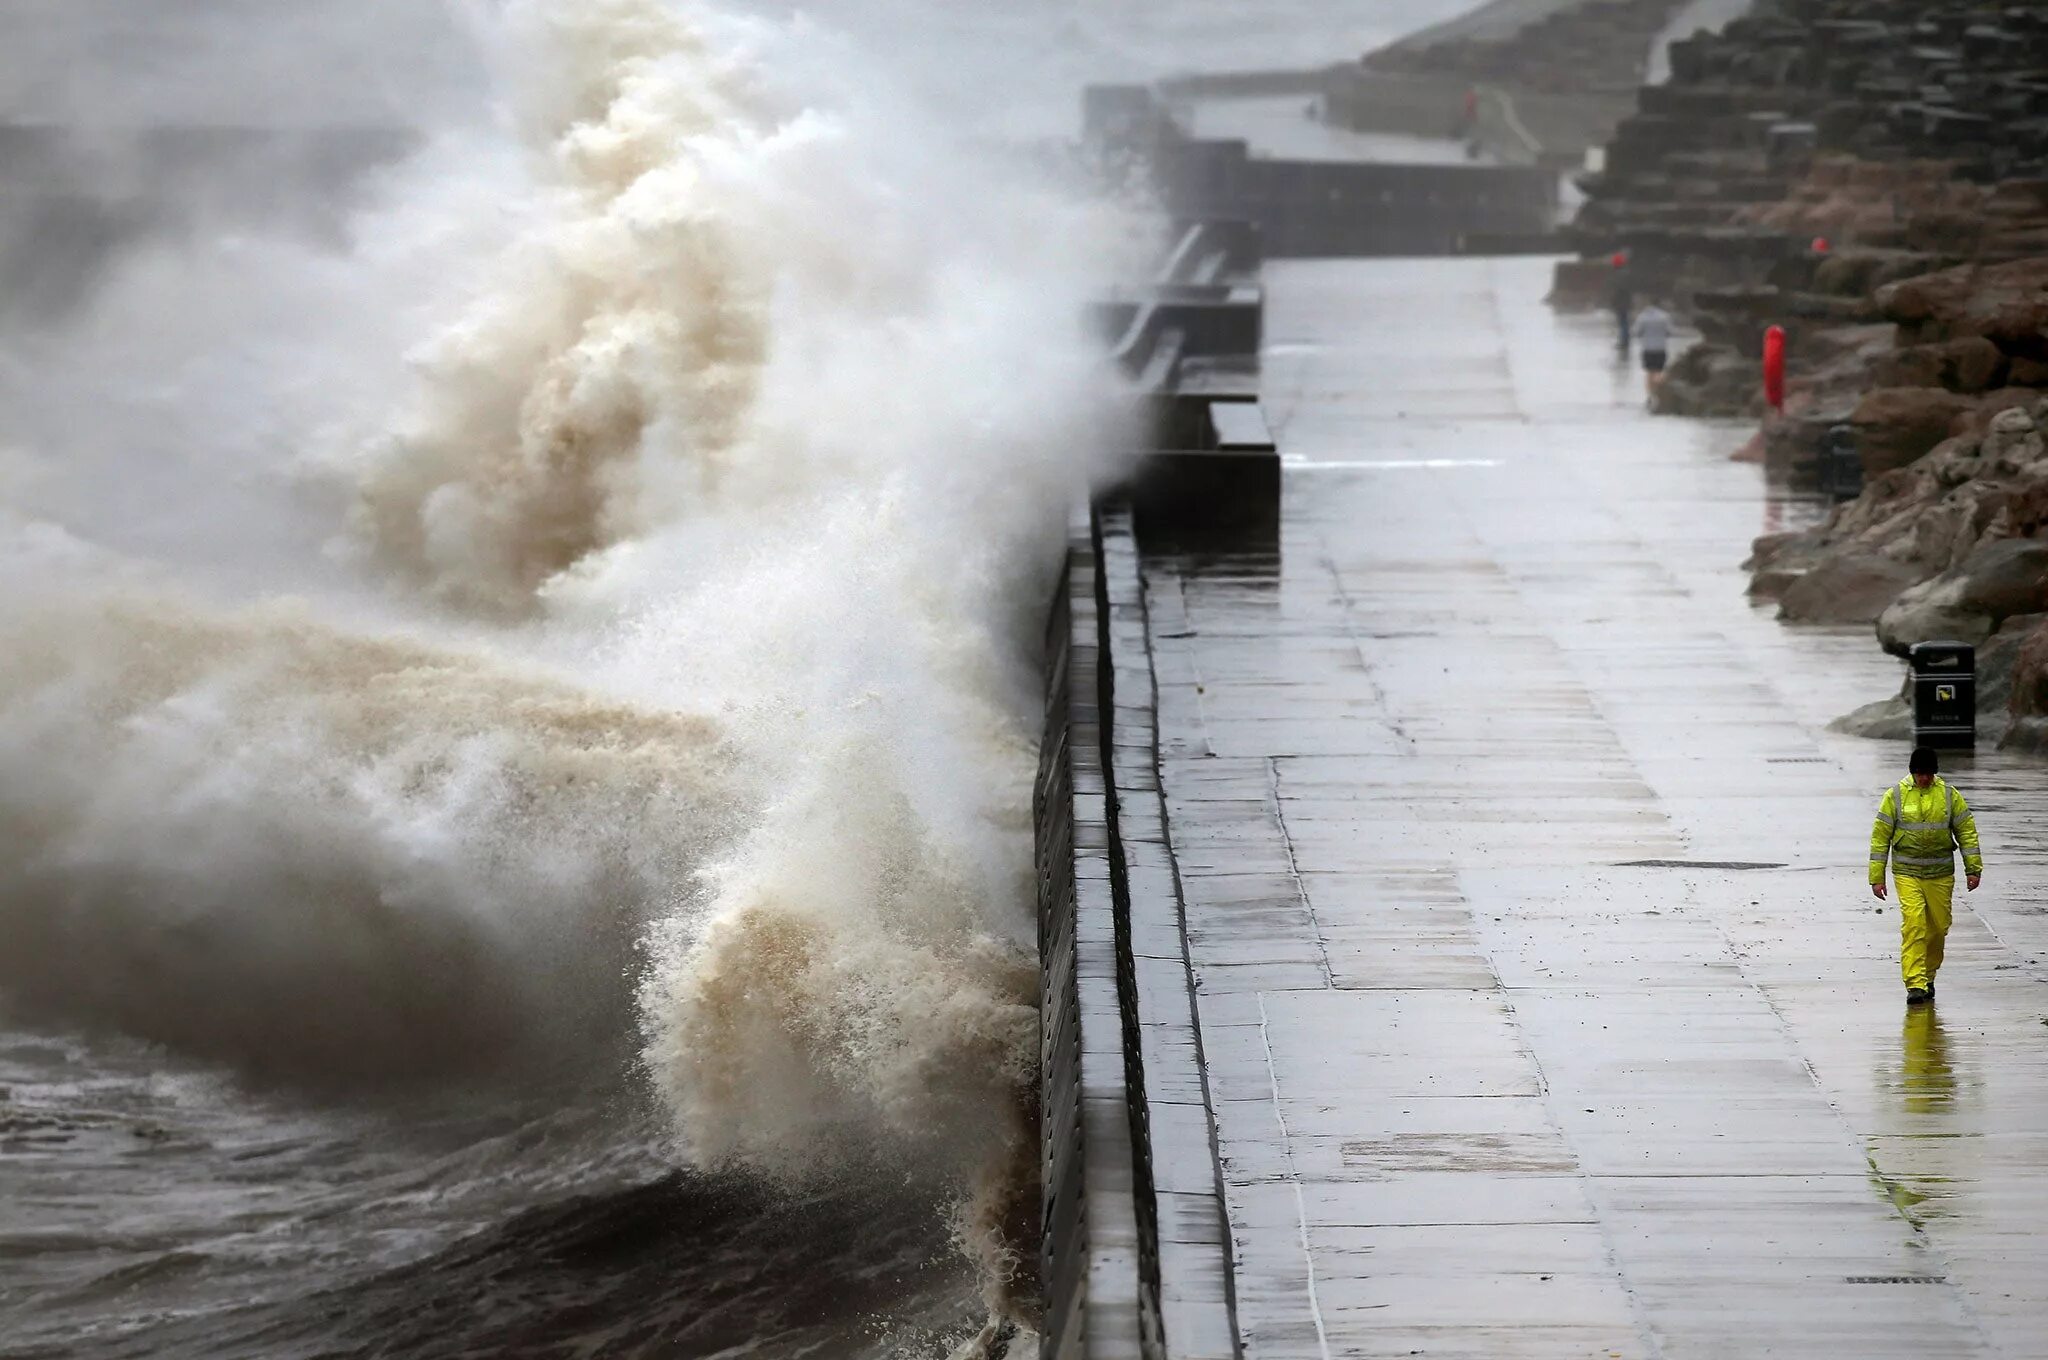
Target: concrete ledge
x=1173 y=1130
x=1189 y=496
x=1085 y=1163
x=1308 y=209
x=1217 y=478
x=1135 y=1257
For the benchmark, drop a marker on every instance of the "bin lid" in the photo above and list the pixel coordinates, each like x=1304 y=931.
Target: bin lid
x=1945 y=656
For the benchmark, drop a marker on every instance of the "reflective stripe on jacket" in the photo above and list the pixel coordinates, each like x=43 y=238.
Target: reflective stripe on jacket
x=1920 y=830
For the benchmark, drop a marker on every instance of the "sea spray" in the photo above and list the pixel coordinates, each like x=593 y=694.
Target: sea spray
x=664 y=679
x=723 y=318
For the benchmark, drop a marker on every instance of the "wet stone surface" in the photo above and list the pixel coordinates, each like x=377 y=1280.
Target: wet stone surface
x=1506 y=1060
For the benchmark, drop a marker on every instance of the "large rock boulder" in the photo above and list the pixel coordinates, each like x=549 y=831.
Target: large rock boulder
x=2024 y=372
x=1913 y=524
x=1998 y=664
x=2012 y=441
x=1933 y=610
x=2004 y=303
x=1792 y=442
x=1857 y=272
x=2006 y=577
x=1845 y=588
x=1886 y=719
x=2029 y=703
x=1952 y=231
x=2017 y=200
x=1972 y=364
x=1967 y=603
x=1997 y=402
x=1831 y=368
x=2024 y=512
x=1778 y=560
x=1711 y=380
x=1998 y=659
x=1895 y=425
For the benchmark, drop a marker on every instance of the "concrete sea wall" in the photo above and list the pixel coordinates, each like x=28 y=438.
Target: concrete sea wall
x=1318 y=208
x=1312 y=209
x=1135 y=1256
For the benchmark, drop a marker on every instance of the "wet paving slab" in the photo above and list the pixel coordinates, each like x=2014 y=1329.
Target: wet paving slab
x=1544 y=1007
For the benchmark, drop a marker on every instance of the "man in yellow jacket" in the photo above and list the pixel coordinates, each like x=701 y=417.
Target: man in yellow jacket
x=1920 y=822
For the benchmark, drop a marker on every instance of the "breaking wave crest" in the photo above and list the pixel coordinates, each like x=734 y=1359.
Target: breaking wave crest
x=323 y=854
x=677 y=698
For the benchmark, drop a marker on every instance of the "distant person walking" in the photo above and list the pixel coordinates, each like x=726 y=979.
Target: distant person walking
x=1653 y=330
x=1921 y=821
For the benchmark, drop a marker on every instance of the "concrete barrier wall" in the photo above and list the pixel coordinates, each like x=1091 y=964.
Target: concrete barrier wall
x=1326 y=208
x=1330 y=208
x=1089 y=1249
x=1243 y=84
x=1135 y=1252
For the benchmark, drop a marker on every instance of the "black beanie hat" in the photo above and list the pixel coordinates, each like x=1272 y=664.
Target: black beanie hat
x=1924 y=761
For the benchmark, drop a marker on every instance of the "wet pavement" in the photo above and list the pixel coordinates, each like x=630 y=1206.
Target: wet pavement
x=1545 y=1010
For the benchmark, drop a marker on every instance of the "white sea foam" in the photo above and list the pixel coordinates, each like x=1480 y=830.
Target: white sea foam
x=659 y=661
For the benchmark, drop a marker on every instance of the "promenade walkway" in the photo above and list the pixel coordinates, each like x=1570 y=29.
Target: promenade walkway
x=1544 y=1007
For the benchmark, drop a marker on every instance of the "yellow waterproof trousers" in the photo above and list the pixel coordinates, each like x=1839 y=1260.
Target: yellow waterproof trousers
x=1923 y=925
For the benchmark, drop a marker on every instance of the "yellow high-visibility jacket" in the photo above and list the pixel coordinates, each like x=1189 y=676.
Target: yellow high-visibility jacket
x=1920 y=829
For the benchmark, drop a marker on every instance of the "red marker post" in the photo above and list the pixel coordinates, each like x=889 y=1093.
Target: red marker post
x=1774 y=368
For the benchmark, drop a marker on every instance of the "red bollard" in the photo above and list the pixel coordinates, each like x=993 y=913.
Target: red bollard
x=1774 y=367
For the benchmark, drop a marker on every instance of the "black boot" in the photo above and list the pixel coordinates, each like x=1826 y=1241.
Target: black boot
x=1919 y=996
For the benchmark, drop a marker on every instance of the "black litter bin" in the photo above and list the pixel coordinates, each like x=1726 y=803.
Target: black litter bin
x=1841 y=466
x=1944 y=679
